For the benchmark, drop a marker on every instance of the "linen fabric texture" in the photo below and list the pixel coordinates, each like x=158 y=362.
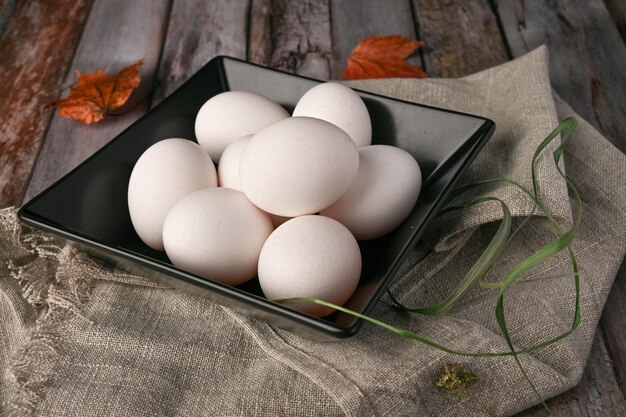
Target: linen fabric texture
x=80 y=339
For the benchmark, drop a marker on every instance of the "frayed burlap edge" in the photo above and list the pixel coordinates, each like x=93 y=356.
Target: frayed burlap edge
x=57 y=281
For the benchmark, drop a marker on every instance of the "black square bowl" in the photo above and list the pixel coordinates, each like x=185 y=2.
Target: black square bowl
x=88 y=206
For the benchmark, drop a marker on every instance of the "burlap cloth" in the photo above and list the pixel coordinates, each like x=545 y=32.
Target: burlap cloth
x=82 y=340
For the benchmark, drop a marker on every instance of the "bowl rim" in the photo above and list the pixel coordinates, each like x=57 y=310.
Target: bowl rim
x=223 y=293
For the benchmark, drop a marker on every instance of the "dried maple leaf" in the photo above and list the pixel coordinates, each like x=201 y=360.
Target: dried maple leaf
x=97 y=93
x=383 y=57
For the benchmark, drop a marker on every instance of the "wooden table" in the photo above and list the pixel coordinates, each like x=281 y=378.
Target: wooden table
x=41 y=42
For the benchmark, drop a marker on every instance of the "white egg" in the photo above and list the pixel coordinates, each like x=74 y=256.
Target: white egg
x=382 y=194
x=228 y=171
x=216 y=233
x=298 y=166
x=339 y=105
x=310 y=256
x=231 y=115
x=228 y=168
x=166 y=172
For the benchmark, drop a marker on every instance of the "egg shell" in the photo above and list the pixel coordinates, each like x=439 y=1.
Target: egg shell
x=339 y=105
x=228 y=168
x=231 y=115
x=228 y=171
x=298 y=166
x=382 y=194
x=310 y=256
x=216 y=233
x=166 y=172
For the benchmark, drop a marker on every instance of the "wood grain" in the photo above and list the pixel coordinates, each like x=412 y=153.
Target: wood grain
x=291 y=36
x=259 y=39
x=613 y=318
x=7 y=7
x=198 y=31
x=36 y=49
x=598 y=394
x=587 y=56
x=140 y=29
x=617 y=10
x=462 y=37
x=353 y=20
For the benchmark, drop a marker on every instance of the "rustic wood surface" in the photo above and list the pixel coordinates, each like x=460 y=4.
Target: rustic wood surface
x=313 y=38
x=462 y=37
x=587 y=56
x=197 y=32
x=353 y=20
x=292 y=36
x=35 y=50
x=7 y=7
x=139 y=34
x=612 y=321
x=617 y=10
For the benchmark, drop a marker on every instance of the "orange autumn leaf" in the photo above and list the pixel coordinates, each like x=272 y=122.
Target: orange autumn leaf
x=383 y=57
x=98 y=93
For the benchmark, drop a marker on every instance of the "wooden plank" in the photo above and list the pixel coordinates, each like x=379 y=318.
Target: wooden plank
x=587 y=56
x=36 y=49
x=613 y=318
x=598 y=394
x=198 y=31
x=617 y=10
x=7 y=7
x=353 y=20
x=260 y=32
x=462 y=37
x=139 y=32
x=292 y=36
